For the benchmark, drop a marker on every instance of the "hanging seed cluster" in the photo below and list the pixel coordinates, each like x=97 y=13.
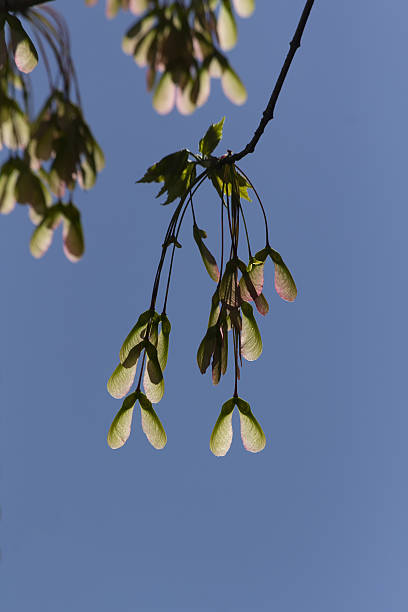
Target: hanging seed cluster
x=181 y=44
x=50 y=154
x=232 y=331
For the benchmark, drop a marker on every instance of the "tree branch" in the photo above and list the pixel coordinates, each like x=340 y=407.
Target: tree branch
x=19 y=5
x=268 y=112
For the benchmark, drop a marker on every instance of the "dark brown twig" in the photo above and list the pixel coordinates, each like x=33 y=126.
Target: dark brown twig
x=268 y=112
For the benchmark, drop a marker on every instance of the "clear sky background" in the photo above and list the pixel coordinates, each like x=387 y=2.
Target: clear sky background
x=317 y=522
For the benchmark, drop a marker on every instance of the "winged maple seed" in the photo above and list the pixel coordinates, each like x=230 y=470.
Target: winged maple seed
x=231 y=313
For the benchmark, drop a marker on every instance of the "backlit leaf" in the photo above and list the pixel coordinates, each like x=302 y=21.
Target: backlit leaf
x=151 y=424
x=251 y=342
x=121 y=381
x=24 y=52
x=253 y=438
x=119 y=431
x=221 y=436
x=212 y=137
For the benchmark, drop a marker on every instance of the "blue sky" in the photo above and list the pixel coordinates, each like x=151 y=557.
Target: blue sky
x=315 y=522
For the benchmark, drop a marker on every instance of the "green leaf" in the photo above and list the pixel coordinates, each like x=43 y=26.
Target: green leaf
x=119 y=431
x=25 y=54
x=164 y=96
x=135 y=335
x=211 y=139
x=175 y=171
x=253 y=438
x=244 y=8
x=284 y=283
x=207 y=257
x=221 y=436
x=151 y=424
x=233 y=87
x=251 y=342
x=120 y=382
x=226 y=26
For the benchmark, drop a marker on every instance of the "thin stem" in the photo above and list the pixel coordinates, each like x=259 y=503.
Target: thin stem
x=235 y=343
x=269 y=110
x=260 y=203
x=141 y=371
x=246 y=231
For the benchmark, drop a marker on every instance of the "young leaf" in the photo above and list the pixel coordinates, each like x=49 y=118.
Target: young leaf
x=233 y=87
x=151 y=424
x=251 y=342
x=226 y=26
x=207 y=257
x=211 y=139
x=253 y=438
x=135 y=335
x=119 y=431
x=221 y=436
x=121 y=381
x=284 y=283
